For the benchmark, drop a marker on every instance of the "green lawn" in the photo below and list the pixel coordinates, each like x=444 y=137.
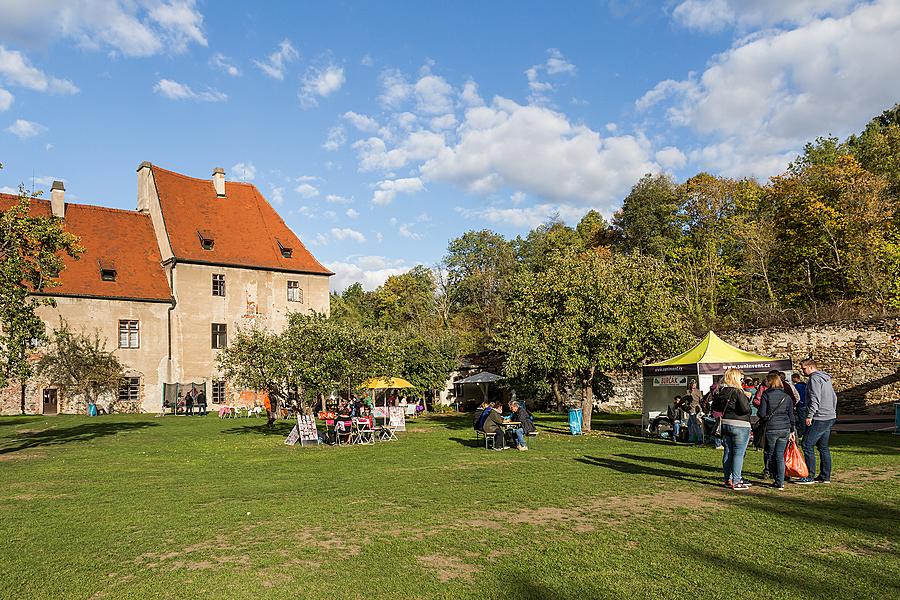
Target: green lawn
x=144 y=507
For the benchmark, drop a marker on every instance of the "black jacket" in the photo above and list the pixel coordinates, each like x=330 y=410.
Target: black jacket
x=524 y=418
x=780 y=418
x=733 y=402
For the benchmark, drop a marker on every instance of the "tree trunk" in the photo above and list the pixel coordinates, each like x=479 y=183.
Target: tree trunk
x=557 y=395
x=23 y=398
x=587 y=405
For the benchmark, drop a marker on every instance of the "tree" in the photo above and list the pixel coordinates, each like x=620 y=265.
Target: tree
x=408 y=298
x=647 y=222
x=80 y=363
x=480 y=266
x=587 y=314
x=31 y=250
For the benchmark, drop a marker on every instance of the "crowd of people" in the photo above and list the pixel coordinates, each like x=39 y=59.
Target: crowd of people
x=793 y=409
x=490 y=420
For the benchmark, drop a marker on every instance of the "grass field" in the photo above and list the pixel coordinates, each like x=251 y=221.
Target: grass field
x=142 y=507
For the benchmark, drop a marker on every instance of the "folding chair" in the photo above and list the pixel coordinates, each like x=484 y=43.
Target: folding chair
x=363 y=432
x=340 y=429
x=387 y=434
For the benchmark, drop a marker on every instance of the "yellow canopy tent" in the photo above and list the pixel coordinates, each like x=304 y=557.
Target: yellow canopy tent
x=712 y=356
x=385 y=383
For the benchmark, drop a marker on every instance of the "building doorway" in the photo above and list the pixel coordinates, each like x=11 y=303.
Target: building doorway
x=51 y=401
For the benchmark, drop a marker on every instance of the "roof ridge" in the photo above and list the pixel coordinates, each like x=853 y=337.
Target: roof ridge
x=126 y=211
x=208 y=180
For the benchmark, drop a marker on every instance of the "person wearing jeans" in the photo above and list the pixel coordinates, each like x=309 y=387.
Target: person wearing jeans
x=821 y=413
x=732 y=402
x=777 y=408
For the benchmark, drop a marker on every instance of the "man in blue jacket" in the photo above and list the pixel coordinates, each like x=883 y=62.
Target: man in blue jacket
x=821 y=413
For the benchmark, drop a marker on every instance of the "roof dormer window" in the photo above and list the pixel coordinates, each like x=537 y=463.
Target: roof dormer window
x=107 y=269
x=286 y=251
x=206 y=239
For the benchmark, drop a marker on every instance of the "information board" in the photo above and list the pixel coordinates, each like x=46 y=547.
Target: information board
x=308 y=432
x=397 y=418
x=293 y=437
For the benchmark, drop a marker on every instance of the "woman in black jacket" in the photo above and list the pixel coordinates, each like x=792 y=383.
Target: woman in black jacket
x=731 y=401
x=778 y=410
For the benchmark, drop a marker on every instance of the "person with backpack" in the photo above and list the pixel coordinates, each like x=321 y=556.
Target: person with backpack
x=777 y=408
x=821 y=413
x=731 y=401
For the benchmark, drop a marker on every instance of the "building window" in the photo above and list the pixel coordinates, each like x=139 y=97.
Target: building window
x=218 y=392
x=286 y=251
x=206 y=239
x=130 y=389
x=295 y=292
x=107 y=269
x=218 y=286
x=219 y=335
x=129 y=334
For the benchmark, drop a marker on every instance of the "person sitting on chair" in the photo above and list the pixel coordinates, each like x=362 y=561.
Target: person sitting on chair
x=520 y=414
x=493 y=425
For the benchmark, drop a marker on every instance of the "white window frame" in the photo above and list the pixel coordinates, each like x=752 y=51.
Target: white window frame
x=297 y=296
x=131 y=330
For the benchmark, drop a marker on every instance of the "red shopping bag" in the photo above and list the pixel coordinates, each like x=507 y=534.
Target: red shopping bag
x=794 y=462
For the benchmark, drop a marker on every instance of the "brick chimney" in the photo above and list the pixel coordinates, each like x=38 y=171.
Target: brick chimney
x=144 y=187
x=58 y=199
x=219 y=181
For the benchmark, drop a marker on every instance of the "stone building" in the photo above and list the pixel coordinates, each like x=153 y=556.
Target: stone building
x=171 y=282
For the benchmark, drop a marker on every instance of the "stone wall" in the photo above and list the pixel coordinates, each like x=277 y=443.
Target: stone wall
x=863 y=357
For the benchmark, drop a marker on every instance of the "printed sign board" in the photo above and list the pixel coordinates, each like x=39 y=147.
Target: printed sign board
x=670 y=380
x=293 y=436
x=308 y=432
x=397 y=418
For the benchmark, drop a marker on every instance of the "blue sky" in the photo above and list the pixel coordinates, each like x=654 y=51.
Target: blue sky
x=382 y=131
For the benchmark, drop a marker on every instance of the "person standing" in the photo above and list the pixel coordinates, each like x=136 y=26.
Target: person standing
x=201 y=403
x=800 y=386
x=189 y=402
x=732 y=402
x=696 y=396
x=778 y=408
x=821 y=413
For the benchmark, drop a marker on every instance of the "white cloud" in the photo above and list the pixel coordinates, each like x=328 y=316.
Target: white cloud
x=715 y=15
x=419 y=145
x=556 y=64
x=525 y=217
x=244 y=171
x=24 y=130
x=364 y=123
x=469 y=94
x=517 y=198
x=16 y=69
x=129 y=27
x=757 y=103
x=6 y=100
x=225 y=64
x=319 y=83
x=671 y=158
x=307 y=190
x=366 y=61
x=443 y=122
x=434 y=96
x=335 y=199
x=346 y=233
x=538 y=151
x=8 y=190
x=47 y=180
x=275 y=63
x=395 y=88
x=352 y=213
x=370 y=271
x=181 y=91
x=388 y=189
x=336 y=138
x=405 y=230
x=277 y=195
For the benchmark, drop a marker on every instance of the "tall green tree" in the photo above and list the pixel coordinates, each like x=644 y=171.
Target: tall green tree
x=588 y=314
x=647 y=221
x=31 y=251
x=407 y=299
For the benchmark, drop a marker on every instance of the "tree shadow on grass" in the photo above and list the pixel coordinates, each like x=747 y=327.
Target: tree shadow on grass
x=470 y=442
x=79 y=433
x=671 y=462
x=281 y=428
x=19 y=420
x=866 y=442
x=631 y=468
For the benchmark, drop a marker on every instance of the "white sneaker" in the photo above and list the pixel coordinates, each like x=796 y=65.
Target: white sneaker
x=523 y=448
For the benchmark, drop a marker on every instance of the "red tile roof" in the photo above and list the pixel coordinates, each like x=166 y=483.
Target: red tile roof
x=245 y=229
x=123 y=238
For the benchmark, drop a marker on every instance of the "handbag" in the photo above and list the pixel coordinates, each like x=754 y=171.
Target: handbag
x=794 y=461
x=719 y=415
x=759 y=429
